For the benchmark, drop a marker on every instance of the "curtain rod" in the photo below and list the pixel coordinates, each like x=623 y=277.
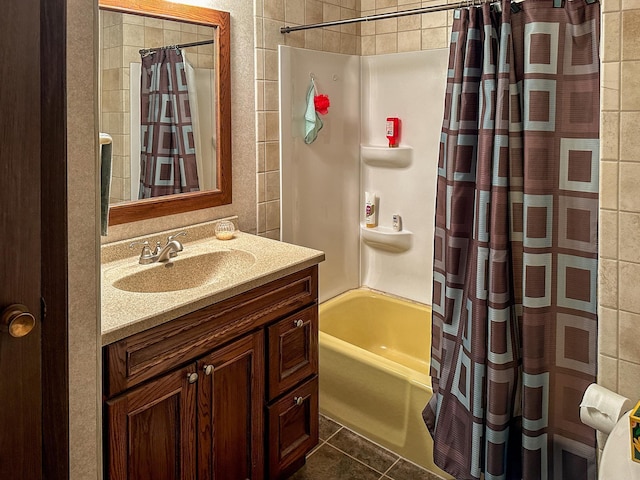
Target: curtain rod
x=415 y=11
x=382 y=16
x=105 y=138
x=146 y=51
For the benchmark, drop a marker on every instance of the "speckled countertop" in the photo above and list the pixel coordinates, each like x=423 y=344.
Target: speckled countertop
x=261 y=260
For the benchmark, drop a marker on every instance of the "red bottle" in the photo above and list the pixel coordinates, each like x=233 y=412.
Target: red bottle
x=393 y=131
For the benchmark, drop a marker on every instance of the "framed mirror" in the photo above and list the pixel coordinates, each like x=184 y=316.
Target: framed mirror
x=168 y=23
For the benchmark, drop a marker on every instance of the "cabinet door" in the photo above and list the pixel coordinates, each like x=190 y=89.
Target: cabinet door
x=293 y=350
x=293 y=428
x=152 y=429
x=230 y=411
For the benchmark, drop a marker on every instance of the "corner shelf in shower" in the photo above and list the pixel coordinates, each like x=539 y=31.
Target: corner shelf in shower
x=383 y=156
x=384 y=238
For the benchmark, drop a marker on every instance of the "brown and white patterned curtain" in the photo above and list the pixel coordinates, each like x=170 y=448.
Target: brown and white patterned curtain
x=514 y=294
x=167 y=149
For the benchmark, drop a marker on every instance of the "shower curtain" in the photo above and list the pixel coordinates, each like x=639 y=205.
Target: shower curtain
x=190 y=74
x=515 y=261
x=202 y=100
x=167 y=147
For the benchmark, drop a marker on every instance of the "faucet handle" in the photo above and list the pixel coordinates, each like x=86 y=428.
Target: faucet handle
x=172 y=237
x=144 y=244
x=145 y=256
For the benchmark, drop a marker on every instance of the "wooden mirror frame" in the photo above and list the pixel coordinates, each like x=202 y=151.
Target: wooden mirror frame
x=222 y=195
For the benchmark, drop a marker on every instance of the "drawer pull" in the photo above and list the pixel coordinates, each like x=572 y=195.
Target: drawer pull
x=298 y=323
x=298 y=400
x=192 y=377
x=208 y=369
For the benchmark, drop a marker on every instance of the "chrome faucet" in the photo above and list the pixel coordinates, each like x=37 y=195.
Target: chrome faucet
x=160 y=254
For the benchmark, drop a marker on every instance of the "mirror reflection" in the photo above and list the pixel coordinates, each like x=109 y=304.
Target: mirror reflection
x=145 y=24
x=158 y=105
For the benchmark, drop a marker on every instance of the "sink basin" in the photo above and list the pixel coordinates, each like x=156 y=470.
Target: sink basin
x=183 y=273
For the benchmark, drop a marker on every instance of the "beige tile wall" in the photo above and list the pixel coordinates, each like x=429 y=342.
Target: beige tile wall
x=619 y=276
x=270 y=16
x=419 y=32
x=123 y=36
x=112 y=103
x=405 y=34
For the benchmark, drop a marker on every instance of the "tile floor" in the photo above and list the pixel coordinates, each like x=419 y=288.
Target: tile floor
x=345 y=455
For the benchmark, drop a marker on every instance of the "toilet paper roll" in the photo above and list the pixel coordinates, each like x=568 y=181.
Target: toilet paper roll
x=601 y=408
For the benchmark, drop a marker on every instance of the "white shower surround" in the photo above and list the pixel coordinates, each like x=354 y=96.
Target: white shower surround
x=320 y=182
x=323 y=184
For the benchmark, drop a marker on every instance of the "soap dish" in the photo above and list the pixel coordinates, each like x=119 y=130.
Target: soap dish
x=385 y=238
x=225 y=230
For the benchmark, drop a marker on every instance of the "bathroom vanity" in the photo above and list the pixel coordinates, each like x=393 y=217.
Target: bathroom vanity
x=218 y=380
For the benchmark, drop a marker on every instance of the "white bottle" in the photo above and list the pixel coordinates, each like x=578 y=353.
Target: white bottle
x=396 y=223
x=370 y=213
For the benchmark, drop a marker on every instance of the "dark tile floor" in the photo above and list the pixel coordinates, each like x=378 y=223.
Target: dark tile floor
x=345 y=455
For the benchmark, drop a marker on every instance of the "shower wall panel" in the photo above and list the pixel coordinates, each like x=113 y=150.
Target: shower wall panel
x=320 y=182
x=410 y=86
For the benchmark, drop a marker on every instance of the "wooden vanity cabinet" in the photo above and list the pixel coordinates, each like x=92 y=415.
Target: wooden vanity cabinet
x=151 y=430
x=293 y=403
x=293 y=429
x=233 y=394
x=230 y=411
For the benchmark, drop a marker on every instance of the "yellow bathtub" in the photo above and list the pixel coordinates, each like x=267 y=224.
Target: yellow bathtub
x=374 y=370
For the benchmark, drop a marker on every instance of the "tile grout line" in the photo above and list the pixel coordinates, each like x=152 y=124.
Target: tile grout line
x=389 y=469
x=397 y=460
x=398 y=457
x=368 y=440
x=357 y=460
x=324 y=442
x=317 y=447
x=333 y=434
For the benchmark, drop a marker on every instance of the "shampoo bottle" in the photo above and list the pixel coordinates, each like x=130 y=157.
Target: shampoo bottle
x=393 y=131
x=370 y=210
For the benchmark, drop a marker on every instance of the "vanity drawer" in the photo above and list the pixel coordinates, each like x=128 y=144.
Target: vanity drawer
x=147 y=354
x=293 y=350
x=293 y=428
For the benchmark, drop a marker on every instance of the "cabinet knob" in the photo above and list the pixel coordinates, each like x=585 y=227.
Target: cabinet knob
x=298 y=323
x=208 y=369
x=17 y=320
x=298 y=400
x=192 y=377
